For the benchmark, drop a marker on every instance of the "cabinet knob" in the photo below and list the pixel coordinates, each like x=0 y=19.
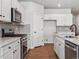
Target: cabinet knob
x=18 y=42
x=3 y=16
x=13 y=51
x=59 y=44
x=9 y=47
x=0 y=15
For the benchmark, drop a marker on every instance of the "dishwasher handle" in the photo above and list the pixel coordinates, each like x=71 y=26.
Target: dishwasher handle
x=74 y=49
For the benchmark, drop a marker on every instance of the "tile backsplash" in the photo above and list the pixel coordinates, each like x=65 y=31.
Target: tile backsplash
x=63 y=29
x=22 y=29
x=4 y=26
x=17 y=29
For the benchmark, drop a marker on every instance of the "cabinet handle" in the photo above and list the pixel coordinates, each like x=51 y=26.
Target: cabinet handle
x=3 y=16
x=9 y=47
x=18 y=42
x=13 y=51
x=0 y=15
x=59 y=44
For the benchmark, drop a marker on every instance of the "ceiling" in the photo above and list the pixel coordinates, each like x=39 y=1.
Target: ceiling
x=54 y=3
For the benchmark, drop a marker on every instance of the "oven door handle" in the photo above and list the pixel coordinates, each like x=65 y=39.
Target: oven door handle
x=74 y=49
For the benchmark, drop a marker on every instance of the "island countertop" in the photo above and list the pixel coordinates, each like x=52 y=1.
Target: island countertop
x=74 y=40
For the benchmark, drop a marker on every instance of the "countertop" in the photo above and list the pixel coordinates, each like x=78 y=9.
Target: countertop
x=74 y=40
x=7 y=40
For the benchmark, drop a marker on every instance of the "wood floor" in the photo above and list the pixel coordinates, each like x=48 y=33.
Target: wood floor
x=45 y=52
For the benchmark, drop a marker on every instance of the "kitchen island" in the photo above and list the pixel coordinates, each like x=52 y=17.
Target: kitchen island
x=61 y=47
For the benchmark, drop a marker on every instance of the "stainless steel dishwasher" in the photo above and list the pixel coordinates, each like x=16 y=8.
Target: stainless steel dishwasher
x=71 y=50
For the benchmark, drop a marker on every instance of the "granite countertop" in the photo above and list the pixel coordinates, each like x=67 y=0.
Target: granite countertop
x=74 y=40
x=7 y=40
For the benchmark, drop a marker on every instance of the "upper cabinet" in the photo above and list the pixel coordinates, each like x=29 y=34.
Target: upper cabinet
x=62 y=19
x=17 y=5
x=0 y=8
x=6 y=10
x=63 y=16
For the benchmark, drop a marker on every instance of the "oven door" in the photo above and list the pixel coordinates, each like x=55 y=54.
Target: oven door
x=70 y=52
x=23 y=48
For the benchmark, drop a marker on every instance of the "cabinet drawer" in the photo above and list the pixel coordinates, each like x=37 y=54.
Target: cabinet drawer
x=7 y=49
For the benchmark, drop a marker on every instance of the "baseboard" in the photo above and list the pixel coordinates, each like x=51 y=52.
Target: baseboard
x=48 y=43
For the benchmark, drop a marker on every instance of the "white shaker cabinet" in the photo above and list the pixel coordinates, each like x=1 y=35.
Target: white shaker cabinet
x=17 y=5
x=14 y=3
x=55 y=46
x=5 y=10
x=16 y=52
x=11 y=51
x=34 y=16
x=62 y=51
x=0 y=7
x=0 y=10
x=59 y=47
x=64 y=20
x=8 y=56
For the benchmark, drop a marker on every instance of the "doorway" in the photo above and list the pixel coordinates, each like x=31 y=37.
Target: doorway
x=49 y=30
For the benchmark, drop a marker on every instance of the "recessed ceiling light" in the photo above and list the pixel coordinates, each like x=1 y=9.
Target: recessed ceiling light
x=59 y=5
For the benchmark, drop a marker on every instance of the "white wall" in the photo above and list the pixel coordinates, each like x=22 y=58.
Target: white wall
x=57 y=11
x=53 y=14
x=76 y=20
x=33 y=16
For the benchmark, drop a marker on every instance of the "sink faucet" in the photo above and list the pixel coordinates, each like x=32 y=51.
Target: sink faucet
x=73 y=28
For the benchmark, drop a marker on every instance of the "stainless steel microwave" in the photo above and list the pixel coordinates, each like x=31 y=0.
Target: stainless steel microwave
x=15 y=15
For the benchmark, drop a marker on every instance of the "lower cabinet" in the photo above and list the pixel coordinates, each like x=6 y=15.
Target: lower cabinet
x=16 y=53
x=12 y=51
x=59 y=47
x=8 y=56
x=62 y=51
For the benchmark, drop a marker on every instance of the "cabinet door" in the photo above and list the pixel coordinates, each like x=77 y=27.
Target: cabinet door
x=8 y=56
x=62 y=51
x=64 y=20
x=0 y=6
x=55 y=45
x=67 y=19
x=0 y=9
x=6 y=10
x=16 y=54
x=14 y=3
